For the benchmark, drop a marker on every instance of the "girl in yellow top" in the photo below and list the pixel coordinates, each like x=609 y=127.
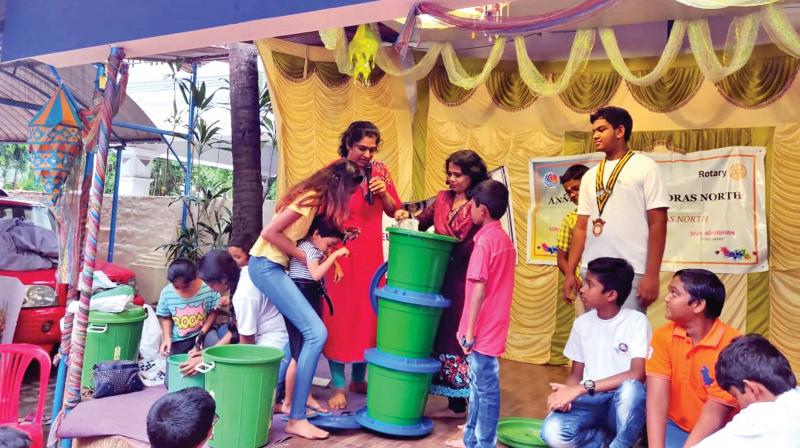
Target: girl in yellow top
x=326 y=193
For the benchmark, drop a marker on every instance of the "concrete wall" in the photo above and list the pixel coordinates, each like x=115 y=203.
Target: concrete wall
x=143 y=224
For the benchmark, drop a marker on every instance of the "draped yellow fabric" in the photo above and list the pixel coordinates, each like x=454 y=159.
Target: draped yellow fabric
x=446 y=92
x=759 y=82
x=670 y=92
x=590 y=91
x=313 y=112
x=508 y=91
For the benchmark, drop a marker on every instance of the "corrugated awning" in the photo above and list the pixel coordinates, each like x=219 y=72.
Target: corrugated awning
x=26 y=86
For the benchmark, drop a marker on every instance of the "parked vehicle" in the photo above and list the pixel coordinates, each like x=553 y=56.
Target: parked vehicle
x=45 y=300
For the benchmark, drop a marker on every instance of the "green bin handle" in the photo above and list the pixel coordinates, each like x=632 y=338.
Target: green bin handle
x=96 y=328
x=205 y=367
x=376 y=280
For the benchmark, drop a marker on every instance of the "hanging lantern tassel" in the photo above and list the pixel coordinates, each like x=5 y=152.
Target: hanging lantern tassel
x=363 y=49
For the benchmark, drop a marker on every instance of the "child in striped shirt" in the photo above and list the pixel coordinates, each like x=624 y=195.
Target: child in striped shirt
x=308 y=275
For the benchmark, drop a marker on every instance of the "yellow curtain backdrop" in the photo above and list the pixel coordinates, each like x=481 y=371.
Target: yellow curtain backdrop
x=314 y=104
x=762 y=302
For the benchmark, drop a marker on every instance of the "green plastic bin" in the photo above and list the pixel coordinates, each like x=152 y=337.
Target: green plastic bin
x=397 y=389
x=399 y=312
x=418 y=260
x=242 y=380
x=111 y=337
x=176 y=380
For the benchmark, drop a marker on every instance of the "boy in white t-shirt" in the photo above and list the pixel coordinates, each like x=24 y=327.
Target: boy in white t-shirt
x=602 y=402
x=762 y=381
x=622 y=210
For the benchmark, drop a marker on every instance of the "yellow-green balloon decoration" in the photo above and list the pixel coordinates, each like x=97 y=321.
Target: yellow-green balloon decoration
x=363 y=49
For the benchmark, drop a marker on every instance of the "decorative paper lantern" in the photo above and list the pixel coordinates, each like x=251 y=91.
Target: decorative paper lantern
x=363 y=49
x=55 y=141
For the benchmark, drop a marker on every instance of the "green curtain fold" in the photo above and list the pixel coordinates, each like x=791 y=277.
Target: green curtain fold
x=449 y=94
x=590 y=91
x=295 y=68
x=508 y=91
x=669 y=93
x=760 y=82
x=690 y=140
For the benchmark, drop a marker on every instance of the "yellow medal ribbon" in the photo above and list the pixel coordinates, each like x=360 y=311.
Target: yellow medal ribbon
x=603 y=193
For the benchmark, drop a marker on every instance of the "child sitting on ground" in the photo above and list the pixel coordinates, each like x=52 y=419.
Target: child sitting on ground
x=485 y=318
x=308 y=275
x=182 y=419
x=186 y=308
x=11 y=437
x=685 y=403
x=762 y=381
x=603 y=398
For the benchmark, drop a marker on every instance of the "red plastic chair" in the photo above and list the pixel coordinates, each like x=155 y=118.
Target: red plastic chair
x=14 y=361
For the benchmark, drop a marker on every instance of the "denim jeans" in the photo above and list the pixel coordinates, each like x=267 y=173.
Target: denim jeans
x=483 y=410
x=615 y=418
x=271 y=279
x=675 y=436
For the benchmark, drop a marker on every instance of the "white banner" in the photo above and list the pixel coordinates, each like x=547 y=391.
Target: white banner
x=717 y=217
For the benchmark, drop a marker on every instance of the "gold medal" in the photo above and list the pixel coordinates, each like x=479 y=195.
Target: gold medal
x=603 y=192
x=597 y=227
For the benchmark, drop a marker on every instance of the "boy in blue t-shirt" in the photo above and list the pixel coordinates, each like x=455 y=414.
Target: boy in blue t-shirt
x=186 y=308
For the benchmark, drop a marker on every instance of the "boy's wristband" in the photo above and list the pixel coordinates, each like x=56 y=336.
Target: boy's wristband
x=465 y=344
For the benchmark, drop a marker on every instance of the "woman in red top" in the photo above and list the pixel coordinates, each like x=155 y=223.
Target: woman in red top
x=450 y=215
x=352 y=326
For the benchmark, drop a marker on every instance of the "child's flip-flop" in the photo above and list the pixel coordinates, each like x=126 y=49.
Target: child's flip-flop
x=314 y=412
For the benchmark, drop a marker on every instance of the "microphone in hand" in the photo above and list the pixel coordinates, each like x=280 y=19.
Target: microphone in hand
x=368 y=176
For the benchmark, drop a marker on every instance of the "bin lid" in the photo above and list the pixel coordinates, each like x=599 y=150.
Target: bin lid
x=417 y=233
x=134 y=314
x=410 y=365
x=520 y=432
x=413 y=297
x=334 y=422
x=423 y=427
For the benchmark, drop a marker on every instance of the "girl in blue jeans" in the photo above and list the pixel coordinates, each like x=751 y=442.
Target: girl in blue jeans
x=326 y=193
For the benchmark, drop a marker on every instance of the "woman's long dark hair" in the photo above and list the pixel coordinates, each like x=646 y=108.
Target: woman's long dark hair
x=218 y=266
x=471 y=164
x=333 y=186
x=355 y=132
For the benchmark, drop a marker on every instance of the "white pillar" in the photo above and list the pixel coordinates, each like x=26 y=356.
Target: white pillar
x=134 y=176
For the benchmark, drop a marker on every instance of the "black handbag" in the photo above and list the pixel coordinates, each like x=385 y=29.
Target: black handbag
x=115 y=378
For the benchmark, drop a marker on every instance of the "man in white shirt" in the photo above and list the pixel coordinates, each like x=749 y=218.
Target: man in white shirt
x=761 y=380
x=622 y=210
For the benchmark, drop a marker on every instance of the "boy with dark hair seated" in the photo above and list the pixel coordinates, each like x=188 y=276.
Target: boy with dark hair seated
x=685 y=403
x=762 y=381
x=602 y=402
x=11 y=437
x=182 y=419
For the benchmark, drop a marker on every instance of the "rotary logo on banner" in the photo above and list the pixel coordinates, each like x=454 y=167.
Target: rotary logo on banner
x=717 y=218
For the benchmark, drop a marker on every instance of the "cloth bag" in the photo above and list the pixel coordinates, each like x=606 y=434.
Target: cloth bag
x=116 y=378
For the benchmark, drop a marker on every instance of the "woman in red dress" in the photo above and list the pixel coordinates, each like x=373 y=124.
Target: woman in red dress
x=352 y=326
x=450 y=215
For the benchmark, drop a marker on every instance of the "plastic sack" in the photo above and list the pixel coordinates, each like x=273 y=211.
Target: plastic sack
x=151 y=336
x=113 y=300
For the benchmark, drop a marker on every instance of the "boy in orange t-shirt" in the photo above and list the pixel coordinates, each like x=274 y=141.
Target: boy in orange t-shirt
x=684 y=402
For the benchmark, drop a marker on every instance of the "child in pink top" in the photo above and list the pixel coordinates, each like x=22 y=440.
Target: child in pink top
x=484 y=322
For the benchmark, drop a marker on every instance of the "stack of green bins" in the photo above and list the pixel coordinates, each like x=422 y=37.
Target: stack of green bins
x=111 y=337
x=400 y=369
